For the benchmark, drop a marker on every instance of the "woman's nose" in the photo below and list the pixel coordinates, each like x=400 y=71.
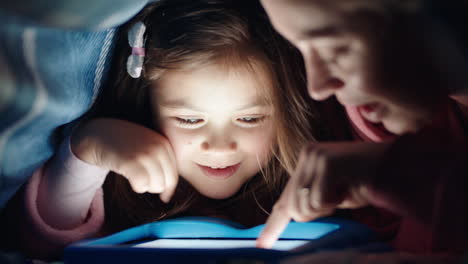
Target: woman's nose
x=321 y=84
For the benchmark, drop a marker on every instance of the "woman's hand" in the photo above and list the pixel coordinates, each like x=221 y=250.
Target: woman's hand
x=140 y=154
x=327 y=176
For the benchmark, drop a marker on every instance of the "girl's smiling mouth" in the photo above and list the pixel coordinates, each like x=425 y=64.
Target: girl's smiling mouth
x=219 y=172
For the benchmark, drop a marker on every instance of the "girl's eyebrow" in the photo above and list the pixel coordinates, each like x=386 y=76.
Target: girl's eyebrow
x=252 y=104
x=179 y=103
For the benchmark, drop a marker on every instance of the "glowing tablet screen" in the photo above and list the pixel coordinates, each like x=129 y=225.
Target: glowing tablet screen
x=217 y=243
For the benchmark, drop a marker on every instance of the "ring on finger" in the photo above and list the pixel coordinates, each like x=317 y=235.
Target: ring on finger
x=303 y=192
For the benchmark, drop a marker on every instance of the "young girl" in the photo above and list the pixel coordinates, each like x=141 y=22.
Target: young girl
x=209 y=123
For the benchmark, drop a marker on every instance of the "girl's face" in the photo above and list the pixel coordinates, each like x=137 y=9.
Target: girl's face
x=218 y=124
x=392 y=82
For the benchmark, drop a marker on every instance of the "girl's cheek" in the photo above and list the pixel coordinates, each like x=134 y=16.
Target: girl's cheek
x=180 y=140
x=260 y=142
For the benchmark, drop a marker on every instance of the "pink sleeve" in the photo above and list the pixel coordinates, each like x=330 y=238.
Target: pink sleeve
x=63 y=203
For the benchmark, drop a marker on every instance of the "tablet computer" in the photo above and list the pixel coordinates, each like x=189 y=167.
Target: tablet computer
x=213 y=240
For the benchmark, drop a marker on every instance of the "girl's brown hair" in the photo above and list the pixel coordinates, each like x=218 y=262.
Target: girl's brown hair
x=193 y=33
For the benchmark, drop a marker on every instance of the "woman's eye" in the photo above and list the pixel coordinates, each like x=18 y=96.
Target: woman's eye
x=331 y=53
x=188 y=121
x=342 y=50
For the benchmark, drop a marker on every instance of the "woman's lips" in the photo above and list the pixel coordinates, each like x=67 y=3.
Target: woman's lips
x=219 y=173
x=371 y=112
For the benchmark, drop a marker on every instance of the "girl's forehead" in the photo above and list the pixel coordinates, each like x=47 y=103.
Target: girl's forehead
x=240 y=82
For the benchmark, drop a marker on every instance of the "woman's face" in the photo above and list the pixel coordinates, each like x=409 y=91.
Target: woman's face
x=384 y=75
x=218 y=124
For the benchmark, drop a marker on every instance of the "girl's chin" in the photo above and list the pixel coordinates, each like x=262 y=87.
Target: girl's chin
x=216 y=191
x=222 y=194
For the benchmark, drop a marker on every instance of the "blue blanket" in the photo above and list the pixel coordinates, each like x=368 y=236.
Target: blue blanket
x=53 y=61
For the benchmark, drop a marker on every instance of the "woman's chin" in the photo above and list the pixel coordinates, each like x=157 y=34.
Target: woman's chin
x=402 y=127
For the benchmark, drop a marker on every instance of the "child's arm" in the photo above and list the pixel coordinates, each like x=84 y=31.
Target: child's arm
x=66 y=189
x=140 y=154
x=63 y=199
x=61 y=203
x=69 y=183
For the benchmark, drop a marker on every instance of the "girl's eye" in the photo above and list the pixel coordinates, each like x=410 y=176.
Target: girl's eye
x=188 y=121
x=251 y=121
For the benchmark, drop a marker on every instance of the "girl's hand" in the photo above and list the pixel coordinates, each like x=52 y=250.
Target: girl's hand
x=327 y=176
x=140 y=154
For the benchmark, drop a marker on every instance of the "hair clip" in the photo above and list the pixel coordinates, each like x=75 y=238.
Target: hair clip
x=136 y=42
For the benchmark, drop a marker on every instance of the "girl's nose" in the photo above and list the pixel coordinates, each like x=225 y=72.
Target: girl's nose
x=321 y=83
x=220 y=141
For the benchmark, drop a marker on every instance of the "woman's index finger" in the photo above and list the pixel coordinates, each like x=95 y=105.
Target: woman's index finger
x=274 y=226
x=279 y=218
